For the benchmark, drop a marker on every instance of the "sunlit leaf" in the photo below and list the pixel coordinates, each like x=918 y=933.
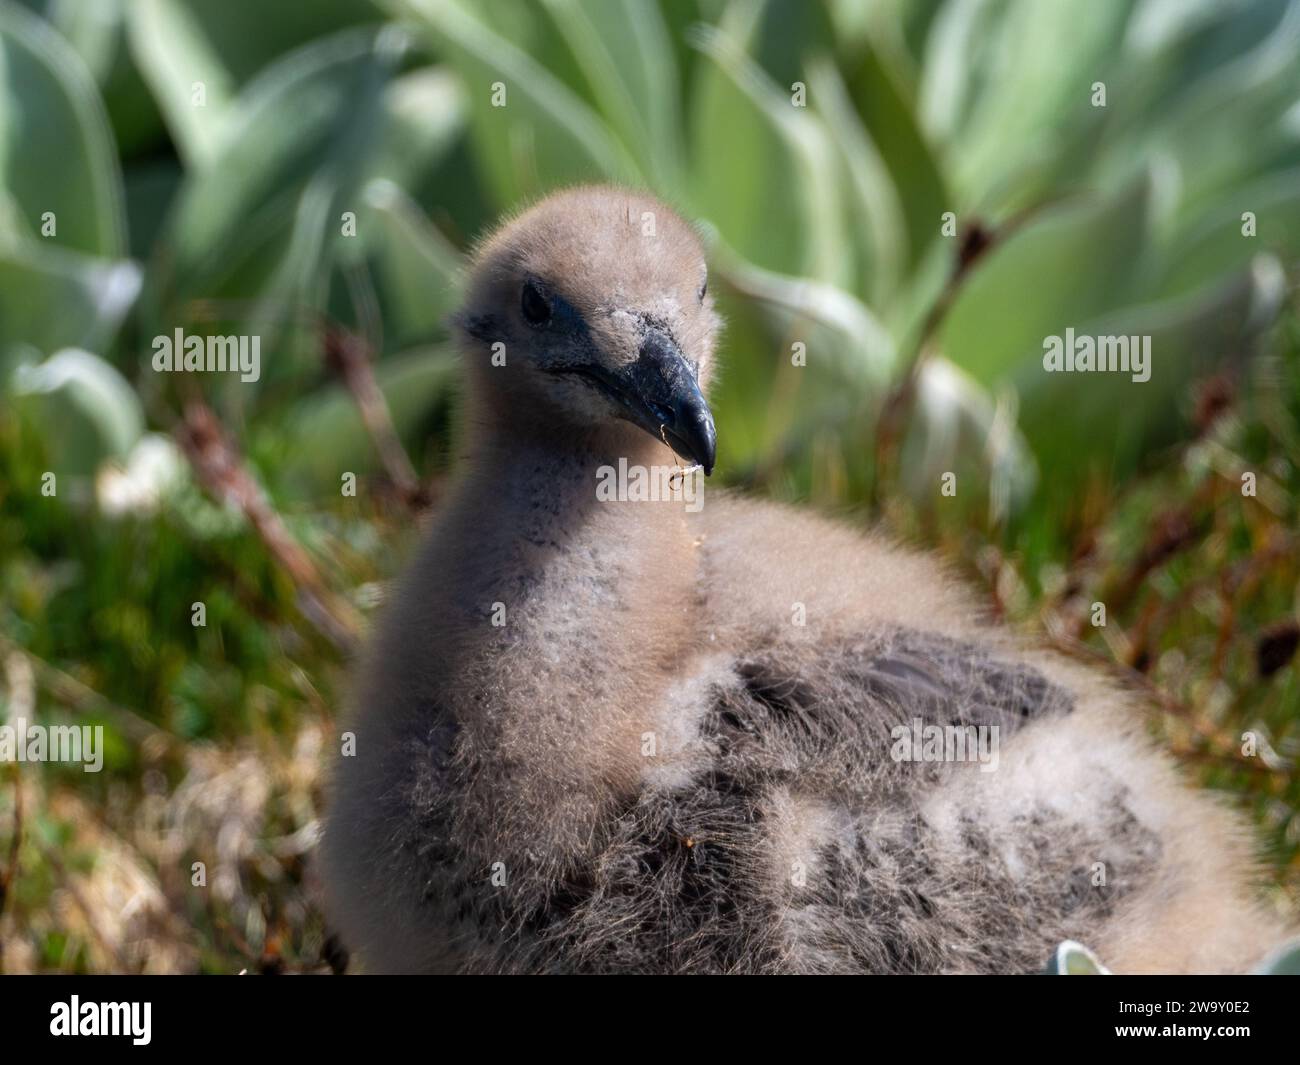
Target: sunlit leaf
x=763 y=170
x=86 y=409
x=419 y=270
x=544 y=135
x=875 y=208
x=57 y=157
x=623 y=49
x=890 y=119
x=1064 y=266
x=260 y=227
x=1074 y=959
x=51 y=299
x=216 y=46
x=190 y=82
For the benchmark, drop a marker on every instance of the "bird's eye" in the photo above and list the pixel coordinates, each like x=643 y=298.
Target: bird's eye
x=704 y=287
x=536 y=308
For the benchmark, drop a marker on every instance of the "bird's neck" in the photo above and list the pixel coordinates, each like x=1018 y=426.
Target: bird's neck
x=551 y=623
x=577 y=470
x=567 y=548
x=573 y=612
x=606 y=509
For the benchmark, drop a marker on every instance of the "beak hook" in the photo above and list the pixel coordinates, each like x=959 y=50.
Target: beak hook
x=679 y=474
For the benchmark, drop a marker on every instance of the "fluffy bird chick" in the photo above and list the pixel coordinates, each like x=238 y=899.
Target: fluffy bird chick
x=603 y=735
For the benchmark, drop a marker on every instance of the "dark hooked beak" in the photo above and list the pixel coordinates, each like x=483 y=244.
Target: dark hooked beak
x=659 y=393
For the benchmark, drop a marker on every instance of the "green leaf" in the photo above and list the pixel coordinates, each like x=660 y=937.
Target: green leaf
x=956 y=48
x=1104 y=422
x=1014 y=124
x=85 y=410
x=56 y=149
x=544 y=135
x=222 y=44
x=419 y=270
x=93 y=30
x=875 y=208
x=623 y=50
x=1216 y=246
x=260 y=228
x=1215 y=100
x=151 y=189
x=888 y=114
x=328 y=436
x=787 y=36
x=424 y=117
x=764 y=170
x=838 y=330
x=1067 y=265
x=959 y=427
x=51 y=298
x=1285 y=961
x=99 y=33
x=190 y=82
x=1074 y=959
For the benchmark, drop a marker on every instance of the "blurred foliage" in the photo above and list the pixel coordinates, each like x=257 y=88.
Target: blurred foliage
x=199 y=158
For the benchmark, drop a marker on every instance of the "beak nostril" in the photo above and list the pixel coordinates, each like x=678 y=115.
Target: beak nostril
x=659 y=391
